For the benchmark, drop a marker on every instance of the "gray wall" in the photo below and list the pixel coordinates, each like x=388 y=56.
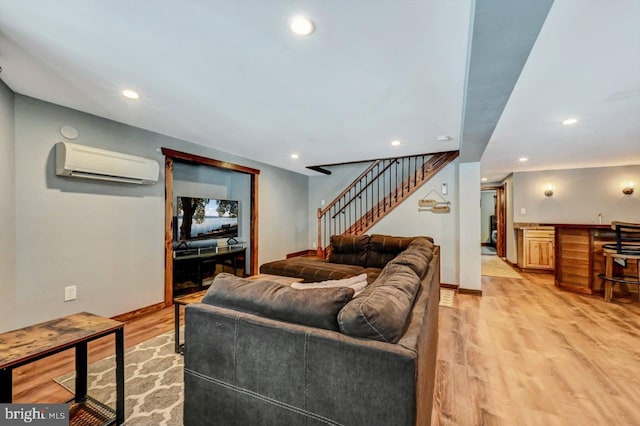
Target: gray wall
x=579 y=195
x=107 y=238
x=7 y=209
x=469 y=226
x=406 y=220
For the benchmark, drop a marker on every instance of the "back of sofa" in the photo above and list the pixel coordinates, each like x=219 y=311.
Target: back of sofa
x=421 y=336
x=241 y=369
x=370 y=251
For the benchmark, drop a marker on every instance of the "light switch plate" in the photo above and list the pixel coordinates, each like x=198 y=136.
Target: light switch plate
x=70 y=293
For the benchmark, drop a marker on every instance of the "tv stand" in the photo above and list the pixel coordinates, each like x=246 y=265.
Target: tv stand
x=194 y=259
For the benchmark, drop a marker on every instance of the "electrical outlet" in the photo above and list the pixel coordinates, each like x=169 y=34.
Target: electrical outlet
x=523 y=210
x=70 y=293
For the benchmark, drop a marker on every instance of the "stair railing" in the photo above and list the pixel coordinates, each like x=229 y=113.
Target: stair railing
x=374 y=193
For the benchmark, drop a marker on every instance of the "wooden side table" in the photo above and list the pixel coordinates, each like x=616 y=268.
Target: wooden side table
x=183 y=301
x=28 y=344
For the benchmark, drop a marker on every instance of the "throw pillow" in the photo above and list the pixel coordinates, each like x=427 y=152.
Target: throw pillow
x=357 y=283
x=315 y=307
x=417 y=256
x=383 y=248
x=351 y=250
x=381 y=311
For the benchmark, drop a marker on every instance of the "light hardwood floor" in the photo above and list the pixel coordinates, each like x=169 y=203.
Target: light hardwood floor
x=525 y=353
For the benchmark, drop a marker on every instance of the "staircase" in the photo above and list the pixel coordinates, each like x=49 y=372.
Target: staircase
x=375 y=193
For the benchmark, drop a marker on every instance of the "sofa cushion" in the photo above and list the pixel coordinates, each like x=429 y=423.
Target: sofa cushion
x=380 y=312
x=310 y=269
x=315 y=307
x=383 y=248
x=357 y=283
x=417 y=256
x=350 y=250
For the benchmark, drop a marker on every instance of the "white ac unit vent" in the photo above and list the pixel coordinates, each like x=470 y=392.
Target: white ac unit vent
x=86 y=162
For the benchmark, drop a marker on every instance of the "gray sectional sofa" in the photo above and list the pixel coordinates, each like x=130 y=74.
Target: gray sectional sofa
x=263 y=353
x=348 y=256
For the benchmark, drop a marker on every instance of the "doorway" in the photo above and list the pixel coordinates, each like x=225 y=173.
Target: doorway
x=488 y=222
x=172 y=156
x=493 y=220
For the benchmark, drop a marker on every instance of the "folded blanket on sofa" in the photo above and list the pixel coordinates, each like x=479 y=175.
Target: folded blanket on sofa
x=357 y=283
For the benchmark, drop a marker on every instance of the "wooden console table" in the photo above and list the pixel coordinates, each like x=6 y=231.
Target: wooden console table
x=23 y=346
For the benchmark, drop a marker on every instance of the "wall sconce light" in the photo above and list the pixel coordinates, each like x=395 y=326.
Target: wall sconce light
x=628 y=189
x=549 y=190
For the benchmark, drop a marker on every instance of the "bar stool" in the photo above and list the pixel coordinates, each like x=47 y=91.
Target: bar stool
x=625 y=251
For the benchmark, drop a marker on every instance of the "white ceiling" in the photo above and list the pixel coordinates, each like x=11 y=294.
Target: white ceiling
x=585 y=64
x=230 y=75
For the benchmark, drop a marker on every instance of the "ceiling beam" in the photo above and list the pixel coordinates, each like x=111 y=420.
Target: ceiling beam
x=502 y=35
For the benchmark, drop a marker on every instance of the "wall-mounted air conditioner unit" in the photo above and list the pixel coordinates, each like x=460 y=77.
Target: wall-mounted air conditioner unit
x=85 y=162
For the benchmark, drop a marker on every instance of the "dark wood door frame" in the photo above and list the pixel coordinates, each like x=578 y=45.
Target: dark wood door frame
x=501 y=218
x=172 y=156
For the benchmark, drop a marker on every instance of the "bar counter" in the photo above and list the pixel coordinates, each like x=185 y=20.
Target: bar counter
x=579 y=257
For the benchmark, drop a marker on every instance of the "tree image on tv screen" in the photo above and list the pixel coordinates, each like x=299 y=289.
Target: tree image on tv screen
x=227 y=208
x=207 y=218
x=192 y=209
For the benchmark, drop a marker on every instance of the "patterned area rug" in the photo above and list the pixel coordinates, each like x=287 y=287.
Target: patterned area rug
x=153 y=382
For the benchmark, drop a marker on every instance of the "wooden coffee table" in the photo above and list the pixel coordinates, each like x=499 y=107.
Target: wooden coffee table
x=197 y=298
x=28 y=344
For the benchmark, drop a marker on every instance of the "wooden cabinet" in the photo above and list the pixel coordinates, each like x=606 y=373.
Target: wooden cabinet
x=575 y=260
x=580 y=259
x=536 y=248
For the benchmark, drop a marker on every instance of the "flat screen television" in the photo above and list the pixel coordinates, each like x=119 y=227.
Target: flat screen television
x=206 y=218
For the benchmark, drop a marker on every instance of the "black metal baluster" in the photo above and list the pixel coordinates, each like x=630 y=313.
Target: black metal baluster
x=360 y=201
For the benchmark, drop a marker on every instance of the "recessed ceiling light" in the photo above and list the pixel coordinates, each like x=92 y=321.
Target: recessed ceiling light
x=294 y=156
x=302 y=25
x=395 y=143
x=131 y=94
x=523 y=159
x=570 y=121
x=483 y=179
